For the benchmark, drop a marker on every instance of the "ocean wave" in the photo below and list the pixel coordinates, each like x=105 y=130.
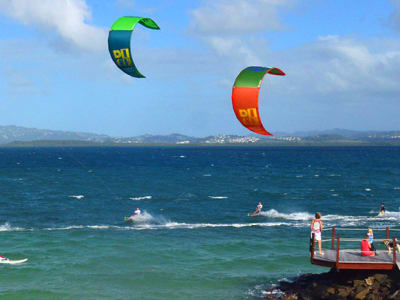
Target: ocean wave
x=141 y=198
x=206 y=175
x=170 y=225
x=7 y=227
x=218 y=197
x=396 y=188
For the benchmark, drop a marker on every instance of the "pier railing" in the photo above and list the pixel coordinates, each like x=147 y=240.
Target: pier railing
x=336 y=262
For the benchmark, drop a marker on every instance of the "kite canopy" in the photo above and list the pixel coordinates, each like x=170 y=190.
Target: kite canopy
x=245 y=96
x=119 y=42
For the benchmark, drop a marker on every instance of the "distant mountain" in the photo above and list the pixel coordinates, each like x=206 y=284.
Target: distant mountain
x=15 y=133
x=22 y=136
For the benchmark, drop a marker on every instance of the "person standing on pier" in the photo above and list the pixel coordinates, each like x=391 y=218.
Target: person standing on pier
x=316 y=229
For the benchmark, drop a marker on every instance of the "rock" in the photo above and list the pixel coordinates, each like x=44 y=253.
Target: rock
x=373 y=297
x=369 y=281
x=393 y=296
x=380 y=277
x=385 y=291
x=330 y=290
x=344 y=292
x=357 y=283
x=361 y=295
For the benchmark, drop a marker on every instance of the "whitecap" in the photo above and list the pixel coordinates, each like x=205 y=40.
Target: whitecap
x=218 y=197
x=77 y=196
x=141 y=198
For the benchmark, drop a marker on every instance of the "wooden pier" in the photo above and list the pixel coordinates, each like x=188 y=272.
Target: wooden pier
x=351 y=259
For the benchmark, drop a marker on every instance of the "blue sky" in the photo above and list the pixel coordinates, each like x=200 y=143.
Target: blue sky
x=341 y=59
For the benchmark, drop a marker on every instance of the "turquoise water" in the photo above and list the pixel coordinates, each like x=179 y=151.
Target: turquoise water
x=63 y=208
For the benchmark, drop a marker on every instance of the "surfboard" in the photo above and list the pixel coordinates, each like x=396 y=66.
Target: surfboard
x=12 y=262
x=128 y=219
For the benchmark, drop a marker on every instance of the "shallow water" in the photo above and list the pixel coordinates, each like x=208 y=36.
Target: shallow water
x=63 y=208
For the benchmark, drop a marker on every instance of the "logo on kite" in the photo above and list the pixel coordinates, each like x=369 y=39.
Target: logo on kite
x=245 y=97
x=119 y=42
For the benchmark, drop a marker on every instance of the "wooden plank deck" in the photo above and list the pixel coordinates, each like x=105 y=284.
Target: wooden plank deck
x=354 y=256
x=352 y=259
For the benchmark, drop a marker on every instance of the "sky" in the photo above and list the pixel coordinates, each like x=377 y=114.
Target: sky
x=341 y=59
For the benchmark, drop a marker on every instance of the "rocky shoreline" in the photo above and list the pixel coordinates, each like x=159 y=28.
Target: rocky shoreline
x=346 y=284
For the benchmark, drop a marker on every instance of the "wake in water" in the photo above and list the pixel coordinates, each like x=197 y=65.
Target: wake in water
x=300 y=216
x=7 y=227
x=218 y=197
x=340 y=220
x=144 y=217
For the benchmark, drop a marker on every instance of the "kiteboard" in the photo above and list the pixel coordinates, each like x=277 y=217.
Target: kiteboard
x=381 y=213
x=13 y=262
x=251 y=215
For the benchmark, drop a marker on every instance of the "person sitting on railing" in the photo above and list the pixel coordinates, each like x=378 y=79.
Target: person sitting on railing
x=316 y=229
x=371 y=239
x=366 y=247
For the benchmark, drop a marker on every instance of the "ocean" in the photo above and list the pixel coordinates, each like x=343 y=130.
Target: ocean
x=64 y=209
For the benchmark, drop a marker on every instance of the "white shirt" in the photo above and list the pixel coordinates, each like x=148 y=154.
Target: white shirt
x=259 y=206
x=137 y=212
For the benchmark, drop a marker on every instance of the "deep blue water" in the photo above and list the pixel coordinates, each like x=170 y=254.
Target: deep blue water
x=63 y=208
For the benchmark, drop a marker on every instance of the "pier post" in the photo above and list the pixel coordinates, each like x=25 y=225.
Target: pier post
x=312 y=248
x=387 y=232
x=337 y=252
x=394 y=252
x=333 y=237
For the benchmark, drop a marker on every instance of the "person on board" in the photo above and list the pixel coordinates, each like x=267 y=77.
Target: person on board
x=137 y=212
x=316 y=229
x=382 y=210
x=366 y=249
x=258 y=209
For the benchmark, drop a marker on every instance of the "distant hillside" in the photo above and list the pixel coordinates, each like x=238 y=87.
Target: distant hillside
x=23 y=137
x=15 y=133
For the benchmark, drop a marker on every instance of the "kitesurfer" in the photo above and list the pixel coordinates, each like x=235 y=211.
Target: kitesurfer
x=258 y=209
x=137 y=212
x=382 y=210
x=316 y=229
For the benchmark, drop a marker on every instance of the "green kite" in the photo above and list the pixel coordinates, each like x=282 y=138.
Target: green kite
x=119 y=42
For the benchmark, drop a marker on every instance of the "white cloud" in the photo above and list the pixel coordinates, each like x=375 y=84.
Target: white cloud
x=237 y=16
x=67 y=18
x=230 y=27
x=335 y=64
